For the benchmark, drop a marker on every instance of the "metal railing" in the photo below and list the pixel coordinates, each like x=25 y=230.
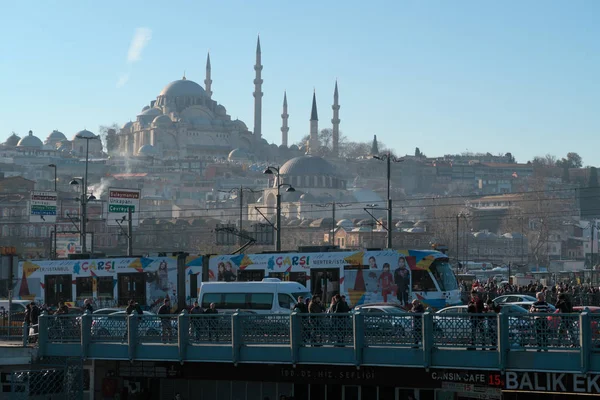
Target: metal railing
x=429 y=333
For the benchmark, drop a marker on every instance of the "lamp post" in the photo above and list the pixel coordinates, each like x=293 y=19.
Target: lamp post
x=83 y=199
x=240 y=192
x=389 y=158
x=275 y=171
x=55 y=191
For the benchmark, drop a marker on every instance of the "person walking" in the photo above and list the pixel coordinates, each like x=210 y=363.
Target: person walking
x=418 y=310
x=213 y=322
x=164 y=311
x=197 y=321
x=540 y=307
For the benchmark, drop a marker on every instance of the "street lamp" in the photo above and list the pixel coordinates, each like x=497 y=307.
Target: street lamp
x=240 y=192
x=275 y=171
x=55 y=180
x=83 y=199
x=389 y=158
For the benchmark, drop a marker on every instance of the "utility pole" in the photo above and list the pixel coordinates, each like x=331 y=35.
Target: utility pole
x=388 y=158
x=332 y=237
x=129 y=232
x=457 y=234
x=55 y=191
x=593 y=255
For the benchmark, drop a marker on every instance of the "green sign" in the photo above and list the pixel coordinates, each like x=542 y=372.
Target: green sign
x=120 y=208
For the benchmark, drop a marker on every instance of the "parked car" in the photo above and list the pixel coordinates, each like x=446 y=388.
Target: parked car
x=394 y=321
x=106 y=311
x=527 y=305
x=513 y=298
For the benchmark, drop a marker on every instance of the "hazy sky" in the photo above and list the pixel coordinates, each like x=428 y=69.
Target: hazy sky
x=446 y=76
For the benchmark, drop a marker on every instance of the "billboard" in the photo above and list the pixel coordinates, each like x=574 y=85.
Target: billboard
x=120 y=201
x=42 y=207
x=69 y=243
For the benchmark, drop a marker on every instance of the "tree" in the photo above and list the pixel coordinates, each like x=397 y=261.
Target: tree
x=417 y=152
x=573 y=160
x=510 y=157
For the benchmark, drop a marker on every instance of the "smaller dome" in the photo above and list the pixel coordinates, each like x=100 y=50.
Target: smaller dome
x=12 y=140
x=162 y=121
x=307 y=198
x=84 y=134
x=220 y=110
x=240 y=125
x=127 y=125
x=147 y=150
x=151 y=112
x=237 y=154
x=145 y=108
x=56 y=135
x=30 y=141
x=283 y=147
x=345 y=223
x=294 y=147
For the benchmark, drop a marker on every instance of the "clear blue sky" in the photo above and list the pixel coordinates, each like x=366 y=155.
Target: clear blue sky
x=446 y=76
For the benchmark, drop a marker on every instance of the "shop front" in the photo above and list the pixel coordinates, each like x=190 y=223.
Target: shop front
x=218 y=381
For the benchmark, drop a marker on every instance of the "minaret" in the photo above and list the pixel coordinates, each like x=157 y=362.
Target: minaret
x=284 y=122
x=208 y=80
x=313 y=141
x=374 y=147
x=336 y=122
x=258 y=93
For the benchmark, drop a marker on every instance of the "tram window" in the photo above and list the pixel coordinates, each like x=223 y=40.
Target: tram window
x=299 y=277
x=84 y=288
x=105 y=287
x=422 y=282
x=193 y=286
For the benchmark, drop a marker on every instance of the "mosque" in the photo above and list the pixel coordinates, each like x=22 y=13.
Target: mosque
x=185 y=121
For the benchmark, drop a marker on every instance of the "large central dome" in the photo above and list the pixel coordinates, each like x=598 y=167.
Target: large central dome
x=183 y=87
x=308 y=165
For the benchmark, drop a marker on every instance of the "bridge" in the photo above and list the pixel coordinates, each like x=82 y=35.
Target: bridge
x=503 y=342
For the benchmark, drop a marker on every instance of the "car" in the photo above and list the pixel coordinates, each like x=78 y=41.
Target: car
x=106 y=311
x=513 y=298
x=114 y=326
x=527 y=305
x=385 y=323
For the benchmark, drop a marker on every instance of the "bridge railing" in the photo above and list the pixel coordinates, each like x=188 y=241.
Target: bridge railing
x=361 y=335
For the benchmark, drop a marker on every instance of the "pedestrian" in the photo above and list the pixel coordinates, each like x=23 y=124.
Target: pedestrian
x=418 y=310
x=315 y=335
x=213 y=322
x=300 y=306
x=165 y=319
x=564 y=306
x=87 y=306
x=540 y=307
x=476 y=307
x=197 y=321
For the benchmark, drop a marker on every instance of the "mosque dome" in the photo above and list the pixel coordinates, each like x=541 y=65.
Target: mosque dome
x=151 y=112
x=183 y=88
x=237 y=154
x=84 y=134
x=307 y=198
x=12 y=140
x=307 y=165
x=240 y=125
x=30 y=141
x=127 y=125
x=220 y=110
x=147 y=150
x=162 y=121
x=145 y=108
x=293 y=148
x=56 y=136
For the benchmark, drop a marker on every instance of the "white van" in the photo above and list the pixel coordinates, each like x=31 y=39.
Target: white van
x=270 y=296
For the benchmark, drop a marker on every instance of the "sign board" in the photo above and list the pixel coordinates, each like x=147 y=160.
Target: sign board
x=69 y=243
x=554 y=382
x=42 y=207
x=120 y=201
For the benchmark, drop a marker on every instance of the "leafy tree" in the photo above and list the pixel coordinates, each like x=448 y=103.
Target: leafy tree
x=417 y=152
x=573 y=160
x=511 y=158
